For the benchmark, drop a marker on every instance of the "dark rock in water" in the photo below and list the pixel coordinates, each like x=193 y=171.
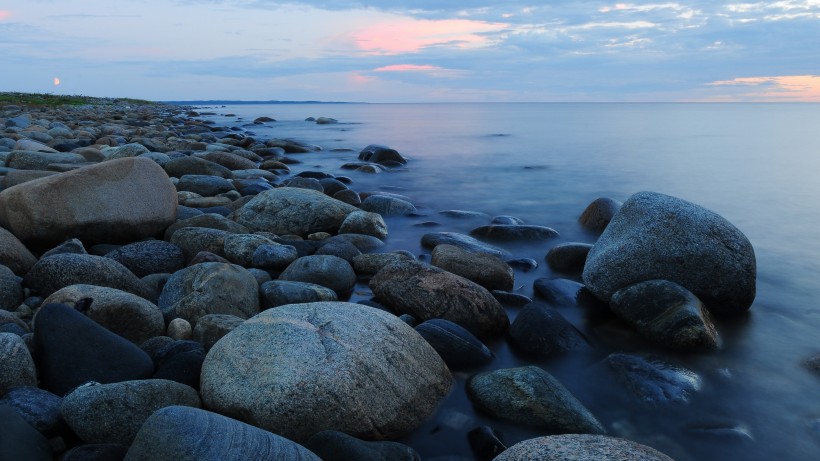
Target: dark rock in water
x=96 y=452
x=50 y=274
x=581 y=447
x=212 y=327
x=363 y=222
x=325 y=270
x=38 y=407
x=263 y=119
x=568 y=257
x=113 y=413
x=484 y=269
x=330 y=185
x=542 y=331
x=426 y=292
x=514 y=233
x=486 y=443
x=457 y=347
x=523 y=264
x=652 y=380
x=599 y=213
x=530 y=396
x=725 y=431
x=149 y=257
x=206 y=186
x=431 y=240
x=11 y=289
x=70 y=349
x=507 y=220
x=376 y=153
x=326 y=121
x=558 y=292
x=280 y=292
x=190 y=434
x=510 y=299
x=20 y=441
x=655 y=236
x=348 y=196
x=666 y=314
x=304 y=183
x=364 y=243
x=338 y=446
x=314 y=174
x=463 y=214
x=388 y=206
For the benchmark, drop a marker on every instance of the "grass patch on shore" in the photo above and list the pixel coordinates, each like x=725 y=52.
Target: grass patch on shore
x=56 y=100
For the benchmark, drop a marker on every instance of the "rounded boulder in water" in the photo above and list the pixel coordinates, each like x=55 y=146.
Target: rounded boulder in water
x=580 y=447
x=457 y=347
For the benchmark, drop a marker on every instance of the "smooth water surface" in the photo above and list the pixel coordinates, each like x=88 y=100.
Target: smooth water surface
x=754 y=164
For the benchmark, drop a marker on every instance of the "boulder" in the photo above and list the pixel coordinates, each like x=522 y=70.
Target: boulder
x=294 y=211
x=212 y=327
x=13 y=254
x=426 y=292
x=370 y=263
x=204 y=185
x=542 y=331
x=457 y=347
x=31 y=160
x=209 y=221
x=11 y=290
x=280 y=292
x=325 y=366
x=274 y=256
x=149 y=257
x=387 y=206
x=120 y=200
x=193 y=240
x=61 y=270
x=181 y=166
x=325 y=270
x=655 y=236
x=484 y=269
x=189 y=434
x=38 y=407
x=568 y=257
x=16 y=365
x=363 y=222
x=376 y=153
x=239 y=248
x=580 y=447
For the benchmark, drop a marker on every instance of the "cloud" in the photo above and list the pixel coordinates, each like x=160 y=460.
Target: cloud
x=785 y=88
x=412 y=35
x=4 y=14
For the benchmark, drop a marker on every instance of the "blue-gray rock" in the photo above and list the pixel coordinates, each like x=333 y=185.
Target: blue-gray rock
x=338 y=446
x=31 y=160
x=74 y=246
x=558 y=292
x=370 y=263
x=13 y=254
x=304 y=183
x=666 y=314
x=599 y=213
x=179 y=361
x=339 y=248
x=568 y=257
x=580 y=447
x=128 y=150
x=212 y=327
x=240 y=248
x=542 y=331
x=376 y=153
x=20 y=441
x=427 y=292
x=655 y=236
x=280 y=292
x=523 y=264
x=485 y=442
x=149 y=257
x=653 y=380
x=207 y=220
x=20 y=121
x=388 y=206
x=457 y=347
x=530 y=396
x=192 y=240
x=363 y=222
x=190 y=434
x=70 y=349
x=114 y=413
x=11 y=289
x=274 y=256
x=209 y=288
x=514 y=232
x=50 y=274
x=230 y=160
x=325 y=270
x=510 y=299
x=182 y=166
x=16 y=365
x=330 y=365
x=507 y=220
x=432 y=239
x=38 y=407
x=365 y=243
x=326 y=121
x=95 y=452
x=330 y=186
x=484 y=269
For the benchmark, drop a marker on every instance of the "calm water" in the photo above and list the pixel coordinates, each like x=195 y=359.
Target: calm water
x=756 y=165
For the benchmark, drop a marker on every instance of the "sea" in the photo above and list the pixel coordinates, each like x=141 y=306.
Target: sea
x=757 y=165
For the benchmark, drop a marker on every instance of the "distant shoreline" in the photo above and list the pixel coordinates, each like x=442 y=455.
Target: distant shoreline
x=234 y=103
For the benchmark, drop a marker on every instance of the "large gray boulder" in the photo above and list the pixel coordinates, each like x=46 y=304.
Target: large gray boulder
x=655 y=236
x=61 y=270
x=295 y=211
x=427 y=292
x=326 y=365
x=120 y=200
x=580 y=447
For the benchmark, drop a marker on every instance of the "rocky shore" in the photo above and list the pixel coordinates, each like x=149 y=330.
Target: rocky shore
x=174 y=289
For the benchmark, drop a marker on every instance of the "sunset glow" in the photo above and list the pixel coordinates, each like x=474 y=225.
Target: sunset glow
x=56 y=81
x=406 y=68
x=4 y=14
x=409 y=36
x=796 y=88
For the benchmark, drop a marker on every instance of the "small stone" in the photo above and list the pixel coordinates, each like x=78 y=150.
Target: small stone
x=568 y=257
x=179 y=329
x=325 y=270
x=599 y=213
x=363 y=222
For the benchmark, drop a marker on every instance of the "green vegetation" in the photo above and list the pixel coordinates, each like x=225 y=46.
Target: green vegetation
x=54 y=100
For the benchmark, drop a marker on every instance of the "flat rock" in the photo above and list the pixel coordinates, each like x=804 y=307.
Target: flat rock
x=426 y=292
x=514 y=232
x=655 y=236
x=370 y=263
x=189 y=434
x=433 y=239
x=120 y=200
x=487 y=270
x=319 y=366
x=33 y=160
x=580 y=447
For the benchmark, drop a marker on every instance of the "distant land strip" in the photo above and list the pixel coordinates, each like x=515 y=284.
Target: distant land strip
x=232 y=103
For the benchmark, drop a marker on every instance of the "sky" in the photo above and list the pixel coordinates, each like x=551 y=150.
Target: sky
x=421 y=51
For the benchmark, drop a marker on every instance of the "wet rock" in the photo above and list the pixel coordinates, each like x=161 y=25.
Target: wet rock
x=70 y=349
x=130 y=316
x=149 y=257
x=38 y=407
x=212 y=327
x=523 y=264
x=11 y=289
x=376 y=153
x=510 y=299
x=240 y=248
x=114 y=413
x=514 y=233
x=581 y=447
x=387 y=206
x=568 y=257
x=530 y=396
x=338 y=446
x=369 y=264
x=542 y=331
x=427 y=292
x=61 y=270
x=16 y=365
x=484 y=269
x=558 y=292
x=599 y=213
x=206 y=186
x=209 y=288
x=326 y=121
x=457 y=347
x=655 y=236
x=19 y=440
x=190 y=434
x=13 y=254
x=485 y=443
x=433 y=239
x=57 y=207
x=336 y=366
x=348 y=196
x=339 y=248
x=666 y=314
x=653 y=380
x=365 y=243
x=463 y=214
x=325 y=270
x=293 y=211
x=330 y=186
x=363 y=222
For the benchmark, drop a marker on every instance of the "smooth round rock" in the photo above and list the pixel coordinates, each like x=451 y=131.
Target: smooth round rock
x=558 y=292
x=280 y=292
x=204 y=185
x=114 y=413
x=55 y=272
x=363 y=222
x=149 y=257
x=212 y=327
x=274 y=256
x=387 y=206
x=207 y=220
x=370 y=263
x=11 y=289
x=568 y=257
x=484 y=269
x=542 y=331
x=653 y=380
x=193 y=240
x=13 y=254
x=377 y=153
x=189 y=434
x=325 y=270
x=20 y=441
x=457 y=347
x=38 y=407
x=329 y=365
x=179 y=329
x=16 y=365
x=597 y=215
x=580 y=447
x=240 y=248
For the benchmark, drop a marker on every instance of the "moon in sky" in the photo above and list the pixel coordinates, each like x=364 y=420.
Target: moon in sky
x=56 y=81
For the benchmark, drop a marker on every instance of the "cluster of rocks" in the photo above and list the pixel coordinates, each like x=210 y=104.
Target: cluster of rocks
x=171 y=289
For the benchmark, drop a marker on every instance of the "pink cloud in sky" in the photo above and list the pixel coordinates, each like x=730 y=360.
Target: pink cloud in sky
x=407 y=68
x=411 y=35
x=5 y=14
x=785 y=88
